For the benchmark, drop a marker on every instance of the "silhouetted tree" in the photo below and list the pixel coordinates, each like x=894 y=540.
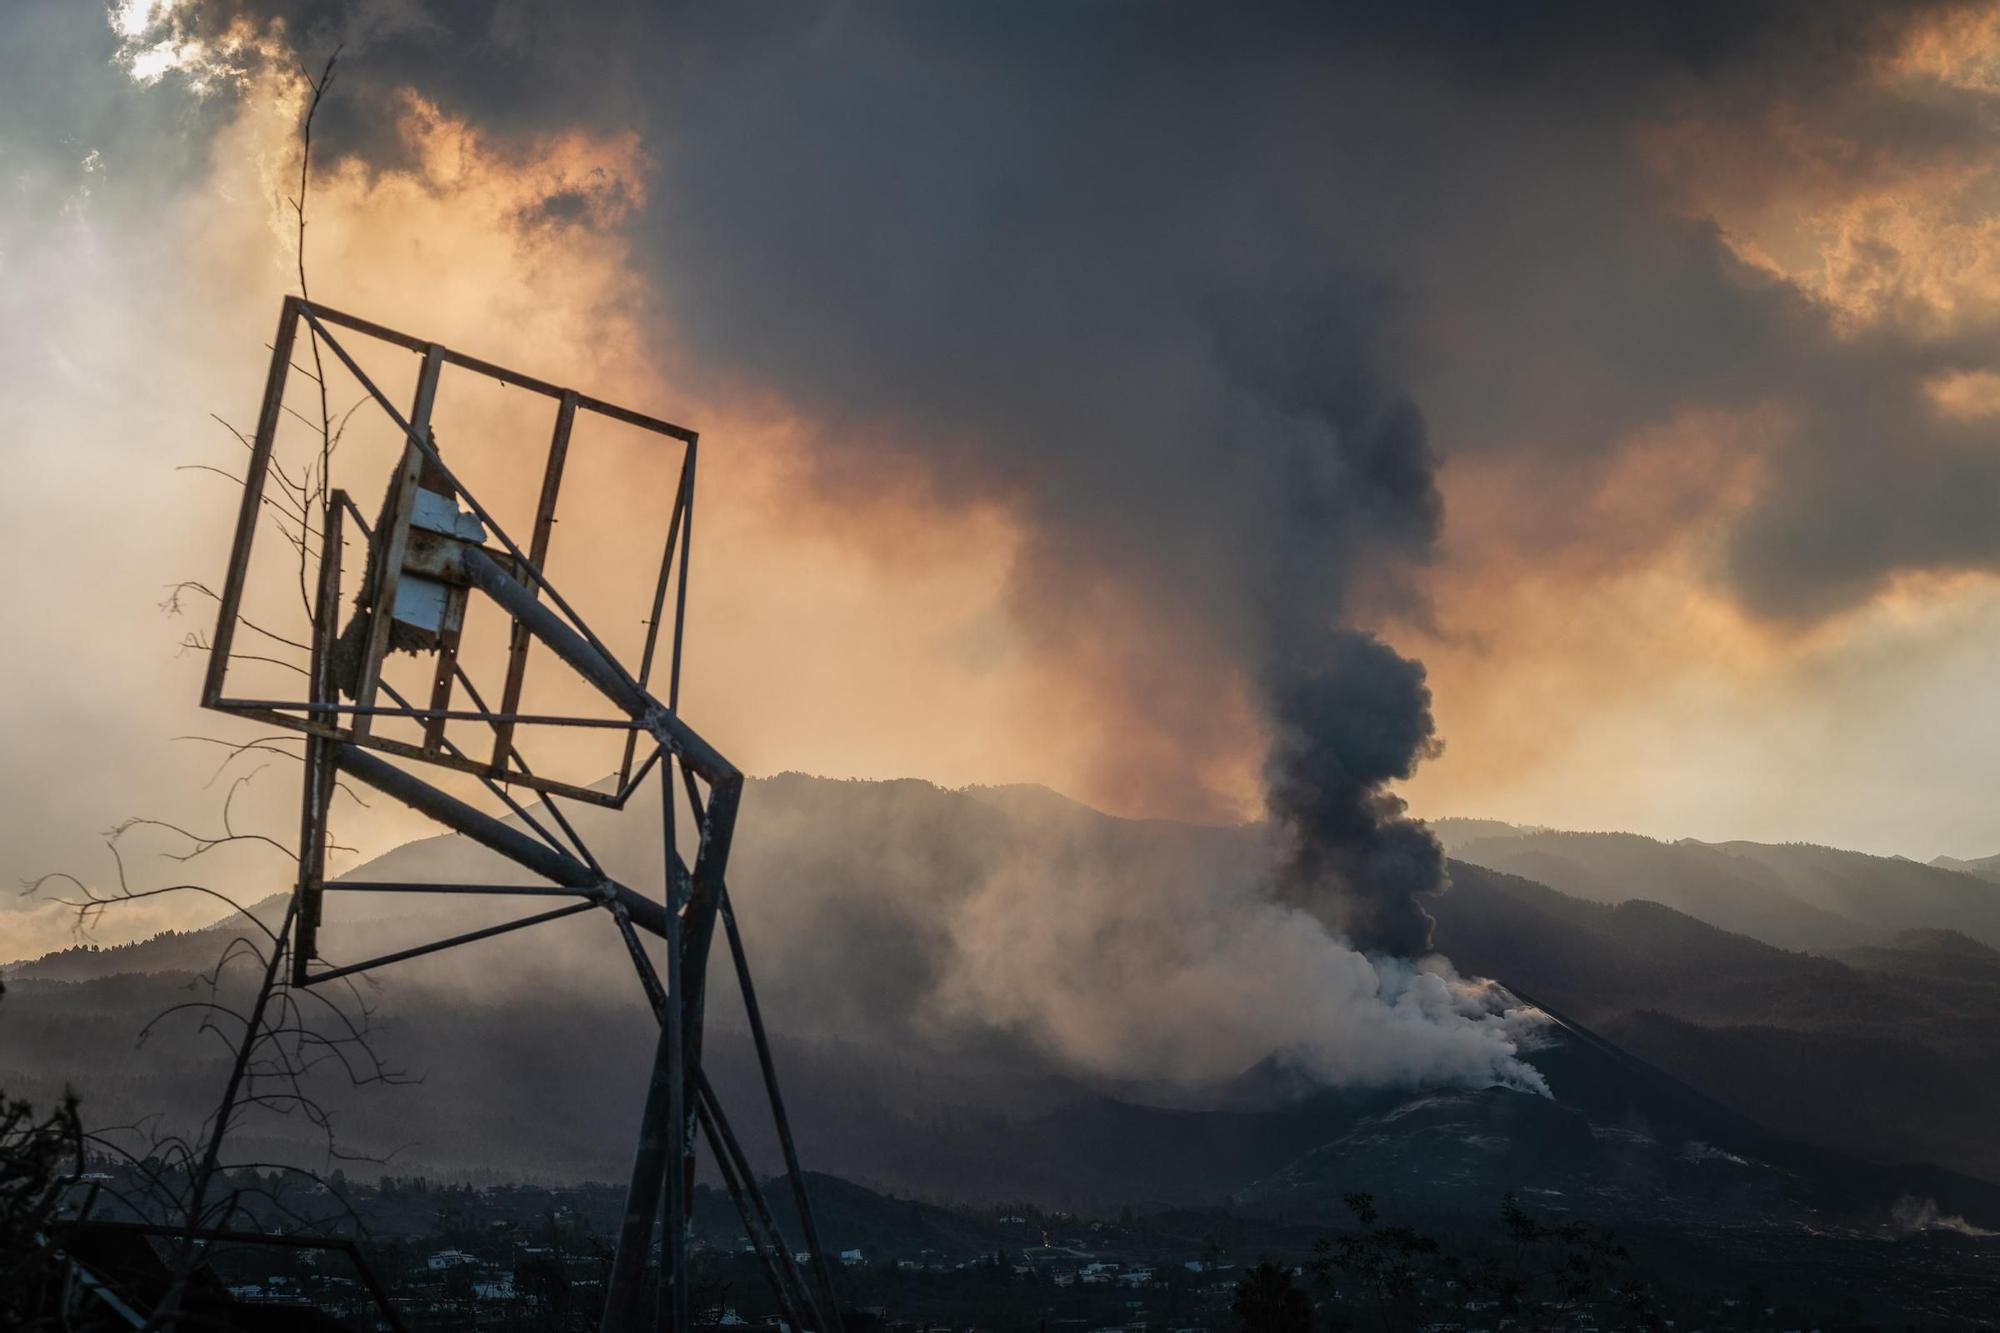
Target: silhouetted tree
x=40 y=1157
x=1269 y=1301
x=1390 y=1263
x=1557 y=1264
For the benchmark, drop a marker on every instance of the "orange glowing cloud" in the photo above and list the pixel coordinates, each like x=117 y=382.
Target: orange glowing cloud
x=862 y=635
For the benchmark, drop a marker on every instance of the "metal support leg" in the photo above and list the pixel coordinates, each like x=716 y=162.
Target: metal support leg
x=658 y=1146
x=778 y=1116
x=769 y=1249
x=712 y=1110
x=662 y=1148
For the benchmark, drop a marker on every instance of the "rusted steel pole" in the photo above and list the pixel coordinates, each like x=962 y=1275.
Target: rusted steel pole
x=788 y=1304
x=673 y=1300
x=779 y=1118
x=485 y=573
x=650 y=1167
x=663 y=1132
x=656 y=999
x=316 y=791
x=712 y=1107
x=230 y=603
x=469 y=937
x=538 y=554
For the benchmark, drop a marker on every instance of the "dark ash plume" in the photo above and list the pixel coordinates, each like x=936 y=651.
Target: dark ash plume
x=1358 y=721
x=1346 y=714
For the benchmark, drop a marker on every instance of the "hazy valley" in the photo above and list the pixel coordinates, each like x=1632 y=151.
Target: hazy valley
x=1860 y=1058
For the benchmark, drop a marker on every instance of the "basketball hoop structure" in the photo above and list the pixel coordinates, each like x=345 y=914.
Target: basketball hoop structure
x=436 y=560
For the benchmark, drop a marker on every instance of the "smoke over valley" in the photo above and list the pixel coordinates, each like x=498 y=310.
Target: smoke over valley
x=1010 y=927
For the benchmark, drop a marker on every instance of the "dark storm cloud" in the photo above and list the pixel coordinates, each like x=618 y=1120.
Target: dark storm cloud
x=990 y=231
x=1197 y=292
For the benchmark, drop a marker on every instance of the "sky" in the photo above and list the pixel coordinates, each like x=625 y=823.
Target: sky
x=1656 y=346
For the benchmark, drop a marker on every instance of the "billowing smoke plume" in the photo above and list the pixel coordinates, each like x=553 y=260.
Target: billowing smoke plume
x=1358 y=721
x=1168 y=282
x=1352 y=490
x=1011 y=929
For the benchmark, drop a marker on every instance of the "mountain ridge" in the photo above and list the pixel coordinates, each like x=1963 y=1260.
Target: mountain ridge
x=896 y=1106
x=1796 y=895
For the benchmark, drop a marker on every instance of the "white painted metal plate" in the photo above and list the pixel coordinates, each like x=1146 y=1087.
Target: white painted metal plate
x=436 y=513
x=421 y=602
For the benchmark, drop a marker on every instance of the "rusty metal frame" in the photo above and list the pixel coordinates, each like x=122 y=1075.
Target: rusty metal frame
x=322 y=714
x=538 y=551
x=389 y=567
x=341 y=741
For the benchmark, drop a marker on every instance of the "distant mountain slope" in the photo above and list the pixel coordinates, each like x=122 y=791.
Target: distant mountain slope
x=1886 y=1047
x=1888 y=892
x=1794 y=895
x=1623 y=1141
x=1882 y=1052
x=1595 y=958
x=1982 y=867
x=1698 y=880
x=1940 y=956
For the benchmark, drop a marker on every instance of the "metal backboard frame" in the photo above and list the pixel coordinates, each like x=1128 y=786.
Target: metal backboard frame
x=354 y=723
x=448 y=549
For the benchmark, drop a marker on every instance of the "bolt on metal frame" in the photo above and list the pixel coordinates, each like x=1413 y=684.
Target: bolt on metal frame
x=341 y=740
